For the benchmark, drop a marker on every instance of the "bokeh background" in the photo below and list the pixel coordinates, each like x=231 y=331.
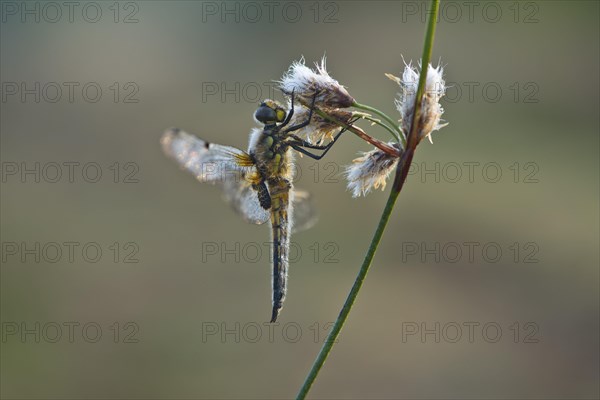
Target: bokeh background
x=198 y=315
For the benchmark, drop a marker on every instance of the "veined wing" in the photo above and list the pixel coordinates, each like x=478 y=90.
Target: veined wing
x=208 y=162
x=217 y=164
x=244 y=200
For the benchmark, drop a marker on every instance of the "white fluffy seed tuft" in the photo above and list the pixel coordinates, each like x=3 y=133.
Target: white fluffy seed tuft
x=431 y=110
x=370 y=171
x=305 y=82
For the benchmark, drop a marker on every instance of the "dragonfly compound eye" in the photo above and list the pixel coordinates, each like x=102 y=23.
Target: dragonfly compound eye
x=266 y=114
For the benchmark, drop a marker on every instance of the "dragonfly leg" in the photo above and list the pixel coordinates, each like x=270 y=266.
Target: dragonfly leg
x=310 y=113
x=302 y=144
x=311 y=155
x=288 y=118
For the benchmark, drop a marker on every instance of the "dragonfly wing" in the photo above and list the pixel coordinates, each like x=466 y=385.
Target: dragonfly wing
x=208 y=162
x=217 y=164
x=304 y=211
x=244 y=200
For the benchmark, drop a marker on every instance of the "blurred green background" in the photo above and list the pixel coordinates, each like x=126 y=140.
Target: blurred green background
x=532 y=115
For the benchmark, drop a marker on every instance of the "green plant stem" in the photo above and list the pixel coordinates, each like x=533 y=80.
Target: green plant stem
x=404 y=166
x=398 y=135
x=400 y=178
x=378 y=122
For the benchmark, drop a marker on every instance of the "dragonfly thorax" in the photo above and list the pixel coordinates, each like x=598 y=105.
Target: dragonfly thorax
x=272 y=154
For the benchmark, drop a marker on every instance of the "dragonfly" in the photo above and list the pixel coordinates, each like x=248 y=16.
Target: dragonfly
x=257 y=183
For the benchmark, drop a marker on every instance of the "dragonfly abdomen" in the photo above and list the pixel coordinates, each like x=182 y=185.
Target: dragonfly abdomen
x=264 y=198
x=280 y=227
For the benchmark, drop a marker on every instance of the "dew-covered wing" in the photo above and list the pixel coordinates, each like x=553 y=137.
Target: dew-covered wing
x=208 y=162
x=214 y=163
x=244 y=200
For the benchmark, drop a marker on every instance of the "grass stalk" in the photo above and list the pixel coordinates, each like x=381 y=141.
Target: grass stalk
x=400 y=178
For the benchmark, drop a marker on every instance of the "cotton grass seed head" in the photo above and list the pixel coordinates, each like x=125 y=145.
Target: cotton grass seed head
x=431 y=110
x=305 y=82
x=370 y=171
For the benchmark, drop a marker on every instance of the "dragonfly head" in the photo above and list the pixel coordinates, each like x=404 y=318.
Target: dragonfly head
x=270 y=112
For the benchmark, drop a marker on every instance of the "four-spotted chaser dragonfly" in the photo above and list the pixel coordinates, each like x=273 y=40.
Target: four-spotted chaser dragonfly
x=257 y=182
